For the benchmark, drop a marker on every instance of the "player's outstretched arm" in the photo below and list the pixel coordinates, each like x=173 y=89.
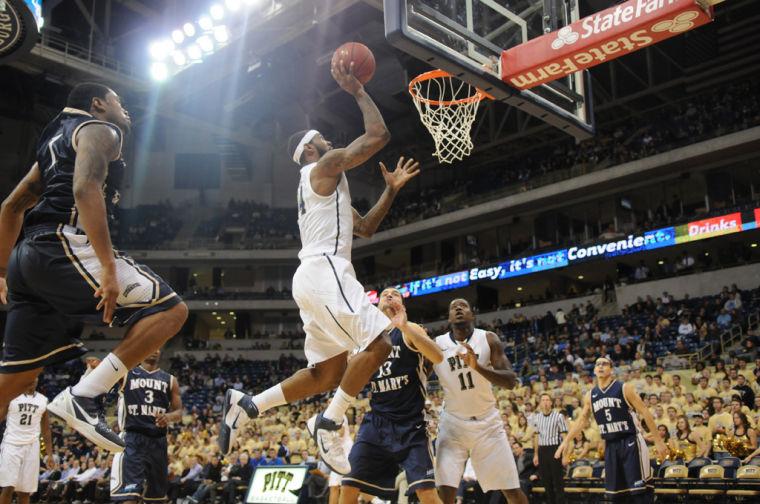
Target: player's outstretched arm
x=97 y=145
x=366 y=226
x=415 y=335
x=175 y=414
x=629 y=392
x=47 y=437
x=376 y=134
x=23 y=197
x=576 y=428
x=501 y=373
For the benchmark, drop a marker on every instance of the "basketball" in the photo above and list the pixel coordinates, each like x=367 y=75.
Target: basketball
x=360 y=56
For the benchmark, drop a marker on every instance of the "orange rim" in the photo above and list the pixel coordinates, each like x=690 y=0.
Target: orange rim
x=437 y=74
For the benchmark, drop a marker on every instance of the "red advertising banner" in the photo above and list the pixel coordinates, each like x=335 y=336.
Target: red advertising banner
x=714 y=226
x=601 y=37
x=757 y=217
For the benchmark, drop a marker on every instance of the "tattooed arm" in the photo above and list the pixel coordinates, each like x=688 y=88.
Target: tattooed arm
x=97 y=145
x=324 y=177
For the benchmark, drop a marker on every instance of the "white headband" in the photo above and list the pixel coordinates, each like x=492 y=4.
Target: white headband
x=306 y=139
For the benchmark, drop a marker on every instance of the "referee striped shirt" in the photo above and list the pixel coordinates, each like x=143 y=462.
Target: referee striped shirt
x=549 y=427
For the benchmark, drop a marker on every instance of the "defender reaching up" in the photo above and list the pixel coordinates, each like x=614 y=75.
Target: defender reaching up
x=336 y=313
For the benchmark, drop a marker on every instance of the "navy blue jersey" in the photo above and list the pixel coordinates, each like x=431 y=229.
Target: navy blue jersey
x=56 y=154
x=145 y=394
x=615 y=417
x=398 y=387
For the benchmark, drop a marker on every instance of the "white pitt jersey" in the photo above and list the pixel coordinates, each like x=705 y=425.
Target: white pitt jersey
x=326 y=222
x=24 y=417
x=466 y=393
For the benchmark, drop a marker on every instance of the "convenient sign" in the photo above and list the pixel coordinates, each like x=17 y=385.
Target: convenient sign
x=631 y=244
x=601 y=37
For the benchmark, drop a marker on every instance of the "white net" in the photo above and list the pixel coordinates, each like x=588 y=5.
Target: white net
x=447 y=108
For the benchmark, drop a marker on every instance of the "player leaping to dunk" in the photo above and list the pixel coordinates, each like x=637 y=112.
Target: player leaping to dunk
x=336 y=313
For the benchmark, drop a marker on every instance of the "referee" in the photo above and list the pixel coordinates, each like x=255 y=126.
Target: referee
x=550 y=426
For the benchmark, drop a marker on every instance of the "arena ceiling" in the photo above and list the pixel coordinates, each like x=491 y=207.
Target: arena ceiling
x=274 y=77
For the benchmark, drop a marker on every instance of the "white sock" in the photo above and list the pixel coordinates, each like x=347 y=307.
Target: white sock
x=102 y=378
x=270 y=398
x=338 y=406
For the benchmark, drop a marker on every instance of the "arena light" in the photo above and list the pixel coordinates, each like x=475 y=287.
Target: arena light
x=205 y=43
x=159 y=71
x=205 y=23
x=580 y=277
x=191 y=42
x=194 y=52
x=189 y=29
x=216 y=11
x=519 y=289
x=233 y=5
x=179 y=58
x=157 y=50
x=221 y=34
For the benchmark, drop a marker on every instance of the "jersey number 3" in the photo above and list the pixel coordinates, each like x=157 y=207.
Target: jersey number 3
x=465 y=381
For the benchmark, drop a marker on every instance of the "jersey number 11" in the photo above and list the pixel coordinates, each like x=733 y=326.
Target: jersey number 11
x=468 y=384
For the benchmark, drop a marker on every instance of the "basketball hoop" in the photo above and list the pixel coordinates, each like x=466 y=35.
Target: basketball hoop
x=447 y=107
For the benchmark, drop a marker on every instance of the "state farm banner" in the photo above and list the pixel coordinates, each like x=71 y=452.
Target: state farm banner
x=601 y=37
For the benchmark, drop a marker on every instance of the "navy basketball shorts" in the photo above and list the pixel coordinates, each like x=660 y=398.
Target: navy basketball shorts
x=52 y=277
x=626 y=467
x=141 y=470
x=383 y=447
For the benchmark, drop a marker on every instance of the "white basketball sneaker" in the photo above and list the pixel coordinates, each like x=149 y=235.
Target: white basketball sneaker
x=84 y=416
x=326 y=434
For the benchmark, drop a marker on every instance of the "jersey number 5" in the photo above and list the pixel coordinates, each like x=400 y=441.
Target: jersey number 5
x=468 y=385
x=608 y=414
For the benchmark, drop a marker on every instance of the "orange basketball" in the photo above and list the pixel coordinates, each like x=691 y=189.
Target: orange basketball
x=360 y=55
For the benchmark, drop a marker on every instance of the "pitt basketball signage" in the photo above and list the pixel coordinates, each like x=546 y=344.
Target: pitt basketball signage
x=276 y=484
x=18 y=27
x=598 y=38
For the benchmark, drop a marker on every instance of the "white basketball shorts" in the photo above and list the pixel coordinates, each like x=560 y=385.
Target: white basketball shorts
x=336 y=313
x=485 y=442
x=20 y=466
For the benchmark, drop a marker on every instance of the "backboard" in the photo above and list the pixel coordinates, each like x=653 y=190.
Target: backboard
x=467 y=37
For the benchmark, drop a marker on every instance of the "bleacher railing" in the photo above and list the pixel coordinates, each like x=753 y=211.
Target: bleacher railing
x=51 y=41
